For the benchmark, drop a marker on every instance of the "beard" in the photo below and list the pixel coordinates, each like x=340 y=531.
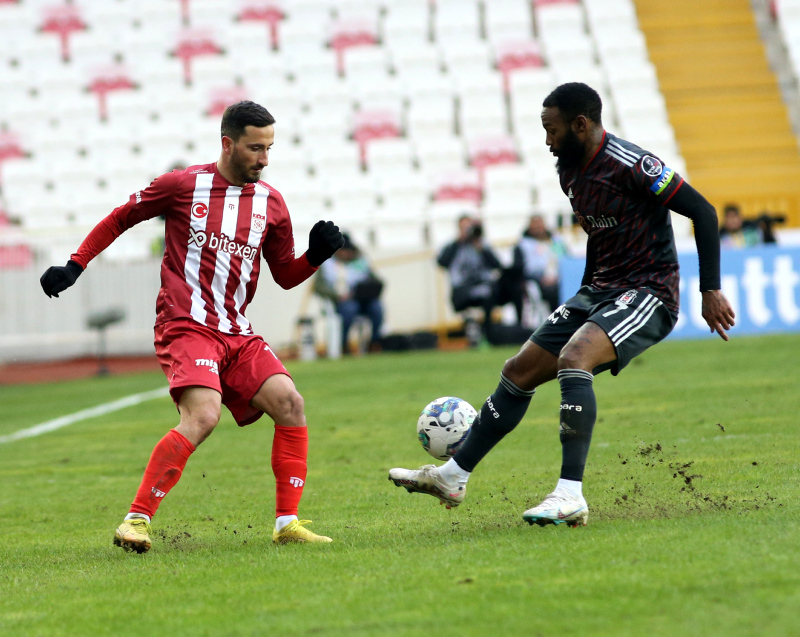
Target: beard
x=242 y=171
x=570 y=154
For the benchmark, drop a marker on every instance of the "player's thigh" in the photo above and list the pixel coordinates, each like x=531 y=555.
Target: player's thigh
x=252 y=364
x=589 y=348
x=279 y=399
x=190 y=355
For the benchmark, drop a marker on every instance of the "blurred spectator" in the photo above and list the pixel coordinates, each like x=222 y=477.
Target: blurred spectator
x=473 y=268
x=735 y=232
x=350 y=283
x=536 y=256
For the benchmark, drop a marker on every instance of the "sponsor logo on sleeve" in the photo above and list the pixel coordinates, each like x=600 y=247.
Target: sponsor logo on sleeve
x=662 y=182
x=138 y=196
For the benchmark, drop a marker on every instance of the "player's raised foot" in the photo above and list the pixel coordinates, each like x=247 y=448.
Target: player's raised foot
x=557 y=508
x=133 y=535
x=296 y=531
x=427 y=479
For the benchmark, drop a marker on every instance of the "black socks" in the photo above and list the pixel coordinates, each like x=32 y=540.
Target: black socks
x=501 y=412
x=578 y=415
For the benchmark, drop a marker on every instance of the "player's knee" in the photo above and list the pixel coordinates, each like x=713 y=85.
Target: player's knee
x=291 y=409
x=571 y=358
x=514 y=371
x=206 y=418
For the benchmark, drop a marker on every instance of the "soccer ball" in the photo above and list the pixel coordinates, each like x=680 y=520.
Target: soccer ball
x=444 y=425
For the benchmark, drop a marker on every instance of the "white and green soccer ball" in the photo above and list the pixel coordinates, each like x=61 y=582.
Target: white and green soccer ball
x=444 y=425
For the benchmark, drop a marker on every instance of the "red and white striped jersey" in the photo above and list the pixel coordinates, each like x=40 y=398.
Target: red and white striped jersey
x=214 y=234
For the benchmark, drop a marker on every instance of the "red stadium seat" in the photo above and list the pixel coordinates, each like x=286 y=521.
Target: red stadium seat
x=464 y=185
x=16 y=256
x=223 y=97
x=63 y=21
x=375 y=124
x=345 y=34
x=192 y=43
x=105 y=79
x=490 y=151
x=517 y=54
x=268 y=11
x=10 y=148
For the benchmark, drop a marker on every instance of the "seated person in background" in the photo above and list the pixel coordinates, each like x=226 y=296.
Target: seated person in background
x=536 y=256
x=472 y=267
x=735 y=233
x=349 y=282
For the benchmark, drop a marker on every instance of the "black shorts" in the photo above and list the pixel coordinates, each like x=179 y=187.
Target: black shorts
x=633 y=319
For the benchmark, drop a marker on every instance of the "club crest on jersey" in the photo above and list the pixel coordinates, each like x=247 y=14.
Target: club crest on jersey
x=199 y=210
x=627 y=298
x=651 y=166
x=258 y=221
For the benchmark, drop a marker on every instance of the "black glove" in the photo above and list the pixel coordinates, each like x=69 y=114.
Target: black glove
x=58 y=278
x=323 y=240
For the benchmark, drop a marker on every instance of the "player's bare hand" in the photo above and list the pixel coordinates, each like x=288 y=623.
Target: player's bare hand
x=718 y=313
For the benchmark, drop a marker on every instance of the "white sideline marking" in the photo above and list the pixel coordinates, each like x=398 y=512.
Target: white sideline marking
x=92 y=412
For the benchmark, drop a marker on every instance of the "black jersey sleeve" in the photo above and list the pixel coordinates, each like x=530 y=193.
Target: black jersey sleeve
x=690 y=203
x=654 y=179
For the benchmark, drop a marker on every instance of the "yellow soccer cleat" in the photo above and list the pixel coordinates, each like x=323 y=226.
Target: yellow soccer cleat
x=133 y=535
x=295 y=531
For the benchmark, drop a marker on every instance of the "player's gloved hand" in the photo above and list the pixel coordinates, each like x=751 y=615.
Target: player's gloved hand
x=58 y=278
x=323 y=240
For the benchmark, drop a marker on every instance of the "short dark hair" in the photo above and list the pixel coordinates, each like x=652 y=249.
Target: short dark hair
x=576 y=98
x=239 y=116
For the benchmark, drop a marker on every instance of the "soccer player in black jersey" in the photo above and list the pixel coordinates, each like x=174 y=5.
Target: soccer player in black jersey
x=627 y=302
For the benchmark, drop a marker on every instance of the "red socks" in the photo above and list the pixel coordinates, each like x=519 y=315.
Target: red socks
x=289 y=464
x=163 y=472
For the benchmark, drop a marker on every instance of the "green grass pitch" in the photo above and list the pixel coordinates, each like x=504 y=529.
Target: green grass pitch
x=692 y=485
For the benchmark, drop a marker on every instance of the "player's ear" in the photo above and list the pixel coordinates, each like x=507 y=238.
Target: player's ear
x=580 y=124
x=227 y=145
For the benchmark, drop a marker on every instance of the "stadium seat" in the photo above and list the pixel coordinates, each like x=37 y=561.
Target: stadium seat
x=221 y=97
x=353 y=199
x=407 y=22
x=108 y=79
x=194 y=43
x=507 y=189
x=405 y=189
x=482 y=114
x=508 y=20
x=349 y=33
x=395 y=230
x=463 y=186
x=365 y=61
x=268 y=13
x=430 y=115
x=369 y=125
x=485 y=151
x=440 y=152
x=342 y=157
x=456 y=19
x=512 y=55
x=62 y=21
x=465 y=55
x=389 y=154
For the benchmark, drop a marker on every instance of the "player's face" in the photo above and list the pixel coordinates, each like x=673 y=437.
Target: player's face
x=562 y=139
x=249 y=155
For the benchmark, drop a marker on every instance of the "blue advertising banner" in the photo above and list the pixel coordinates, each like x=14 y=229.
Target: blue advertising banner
x=762 y=284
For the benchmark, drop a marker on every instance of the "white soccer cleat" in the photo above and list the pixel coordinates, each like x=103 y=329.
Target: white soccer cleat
x=427 y=479
x=559 y=507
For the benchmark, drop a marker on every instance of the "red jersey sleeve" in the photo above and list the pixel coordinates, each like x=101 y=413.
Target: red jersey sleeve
x=142 y=205
x=278 y=248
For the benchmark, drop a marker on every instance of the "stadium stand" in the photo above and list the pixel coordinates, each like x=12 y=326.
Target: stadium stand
x=373 y=98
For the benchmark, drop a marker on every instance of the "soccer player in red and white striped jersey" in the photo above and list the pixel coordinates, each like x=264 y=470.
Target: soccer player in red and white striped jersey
x=220 y=219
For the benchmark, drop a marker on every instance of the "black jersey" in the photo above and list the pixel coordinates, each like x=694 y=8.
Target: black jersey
x=620 y=199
